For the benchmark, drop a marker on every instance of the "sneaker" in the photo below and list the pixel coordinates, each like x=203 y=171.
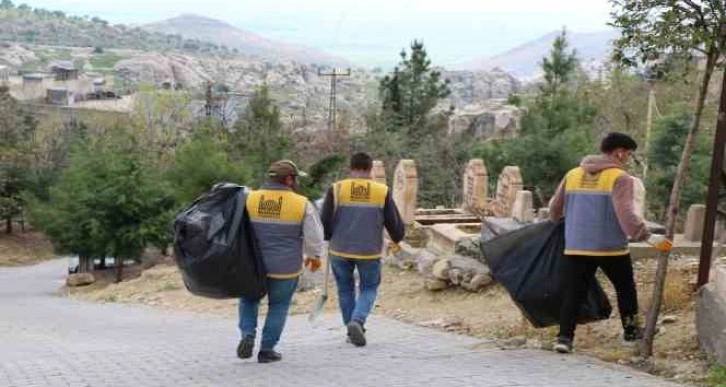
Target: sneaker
x=632 y=334
x=564 y=345
x=268 y=356
x=356 y=333
x=245 y=347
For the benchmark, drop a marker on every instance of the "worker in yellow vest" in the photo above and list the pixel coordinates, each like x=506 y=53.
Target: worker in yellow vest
x=286 y=226
x=354 y=214
x=596 y=200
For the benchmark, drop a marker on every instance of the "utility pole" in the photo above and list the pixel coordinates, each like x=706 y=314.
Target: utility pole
x=717 y=181
x=714 y=187
x=334 y=74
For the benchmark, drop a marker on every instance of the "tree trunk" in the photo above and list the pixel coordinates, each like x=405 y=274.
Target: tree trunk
x=119 y=269
x=9 y=225
x=84 y=264
x=683 y=167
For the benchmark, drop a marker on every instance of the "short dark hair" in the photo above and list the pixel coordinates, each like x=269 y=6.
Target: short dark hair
x=617 y=140
x=361 y=161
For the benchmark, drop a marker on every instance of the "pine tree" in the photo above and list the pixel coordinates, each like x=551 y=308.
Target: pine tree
x=259 y=137
x=17 y=129
x=412 y=91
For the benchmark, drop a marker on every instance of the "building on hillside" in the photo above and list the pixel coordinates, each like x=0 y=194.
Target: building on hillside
x=59 y=96
x=99 y=87
x=64 y=70
x=33 y=85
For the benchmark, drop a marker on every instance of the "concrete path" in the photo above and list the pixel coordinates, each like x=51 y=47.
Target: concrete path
x=47 y=340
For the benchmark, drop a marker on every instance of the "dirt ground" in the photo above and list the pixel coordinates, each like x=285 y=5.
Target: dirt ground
x=489 y=314
x=23 y=248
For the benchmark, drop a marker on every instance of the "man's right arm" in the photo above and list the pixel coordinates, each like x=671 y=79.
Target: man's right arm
x=392 y=220
x=631 y=223
x=327 y=213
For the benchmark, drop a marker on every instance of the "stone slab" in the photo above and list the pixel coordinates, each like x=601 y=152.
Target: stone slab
x=711 y=323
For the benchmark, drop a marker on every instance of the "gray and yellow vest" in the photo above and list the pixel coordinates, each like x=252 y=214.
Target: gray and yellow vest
x=358 y=232
x=591 y=224
x=277 y=216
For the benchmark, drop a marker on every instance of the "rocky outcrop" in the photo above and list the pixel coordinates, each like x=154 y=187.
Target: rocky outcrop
x=15 y=55
x=468 y=87
x=80 y=279
x=489 y=119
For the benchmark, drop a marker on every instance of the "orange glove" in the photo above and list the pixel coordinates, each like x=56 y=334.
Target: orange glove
x=313 y=264
x=393 y=249
x=660 y=243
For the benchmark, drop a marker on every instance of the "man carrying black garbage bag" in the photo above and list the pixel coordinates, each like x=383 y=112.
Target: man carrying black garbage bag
x=596 y=200
x=287 y=227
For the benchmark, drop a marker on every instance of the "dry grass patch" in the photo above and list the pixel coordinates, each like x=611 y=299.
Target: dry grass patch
x=24 y=248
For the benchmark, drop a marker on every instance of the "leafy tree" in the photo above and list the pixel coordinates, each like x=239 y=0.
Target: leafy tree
x=650 y=30
x=559 y=67
x=411 y=92
x=555 y=130
x=7 y=4
x=199 y=164
x=321 y=175
x=408 y=126
x=17 y=128
x=665 y=148
x=259 y=137
x=110 y=201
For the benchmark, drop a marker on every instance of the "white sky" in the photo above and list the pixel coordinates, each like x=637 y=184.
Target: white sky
x=371 y=31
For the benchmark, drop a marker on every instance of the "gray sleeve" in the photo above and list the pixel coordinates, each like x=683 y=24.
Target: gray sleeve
x=313 y=243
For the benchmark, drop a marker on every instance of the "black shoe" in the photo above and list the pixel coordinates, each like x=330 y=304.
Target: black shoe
x=632 y=334
x=268 y=356
x=564 y=345
x=357 y=334
x=245 y=347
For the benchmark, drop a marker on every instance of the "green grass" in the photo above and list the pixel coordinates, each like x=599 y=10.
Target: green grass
x=717 y=376
x=105 y=61
x=168 y=286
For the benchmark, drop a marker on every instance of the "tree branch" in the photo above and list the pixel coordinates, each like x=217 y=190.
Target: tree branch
x=696 y=8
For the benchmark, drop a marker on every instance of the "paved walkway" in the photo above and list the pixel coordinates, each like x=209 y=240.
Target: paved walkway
x=46 y=340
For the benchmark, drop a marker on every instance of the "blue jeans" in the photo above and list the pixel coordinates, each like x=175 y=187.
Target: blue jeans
x=279 y=297
x=369 y=271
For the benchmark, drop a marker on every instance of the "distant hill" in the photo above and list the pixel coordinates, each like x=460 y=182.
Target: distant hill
x=223 y=34
x=38 y=26
x=524 y=61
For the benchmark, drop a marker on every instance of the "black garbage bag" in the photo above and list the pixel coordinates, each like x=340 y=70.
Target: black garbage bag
x=215 y=248
x=527 y=262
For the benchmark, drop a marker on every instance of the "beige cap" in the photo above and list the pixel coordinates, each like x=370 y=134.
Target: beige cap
x=284 y=168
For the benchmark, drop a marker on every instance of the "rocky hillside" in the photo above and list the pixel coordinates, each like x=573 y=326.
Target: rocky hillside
x=524 y=61
x=54 y=28
x=31 y=40
x=225 y=35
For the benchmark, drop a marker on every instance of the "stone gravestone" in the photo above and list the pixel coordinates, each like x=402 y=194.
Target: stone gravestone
x=379 y=172
x=509 y=183
x=523 y=207
x=694 y=223
x=405 y=189
x=475 y=185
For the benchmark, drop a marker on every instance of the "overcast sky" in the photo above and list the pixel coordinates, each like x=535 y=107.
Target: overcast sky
x=371 y=31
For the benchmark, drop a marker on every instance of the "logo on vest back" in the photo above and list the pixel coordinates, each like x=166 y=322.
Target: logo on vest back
x=589 y=181
x=360 y=193
x=269 y=208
